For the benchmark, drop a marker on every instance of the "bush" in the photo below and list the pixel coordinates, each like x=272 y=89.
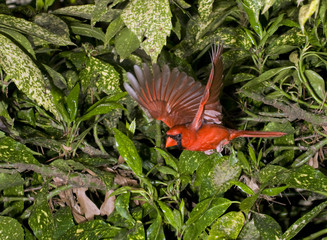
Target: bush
x=79 y=160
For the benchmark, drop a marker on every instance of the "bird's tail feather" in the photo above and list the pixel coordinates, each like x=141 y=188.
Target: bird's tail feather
x=241 y=133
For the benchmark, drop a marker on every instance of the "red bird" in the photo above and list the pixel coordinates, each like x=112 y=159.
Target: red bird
x=193 y=112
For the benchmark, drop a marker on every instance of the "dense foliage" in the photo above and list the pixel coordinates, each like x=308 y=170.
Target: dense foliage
x=80 y=160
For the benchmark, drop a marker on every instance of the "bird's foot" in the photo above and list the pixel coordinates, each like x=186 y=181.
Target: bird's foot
x=221 y=145
x=209 y=152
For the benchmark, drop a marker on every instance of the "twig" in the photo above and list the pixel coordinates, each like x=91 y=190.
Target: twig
x=292 y=111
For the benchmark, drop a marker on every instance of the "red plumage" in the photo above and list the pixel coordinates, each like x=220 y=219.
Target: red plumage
x=192 y=111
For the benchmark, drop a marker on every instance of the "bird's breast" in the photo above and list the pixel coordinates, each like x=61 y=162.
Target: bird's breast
x=208 y=137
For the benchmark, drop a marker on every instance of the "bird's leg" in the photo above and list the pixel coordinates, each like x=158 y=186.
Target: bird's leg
x=221 y=145
x=209 y=152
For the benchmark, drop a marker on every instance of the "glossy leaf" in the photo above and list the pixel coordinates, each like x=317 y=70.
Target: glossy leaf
x=203 y=215
x=205 y=8
x=167 y=170
x=227 y=227
x=86 y=11
x=122 y=206
x=21 y=39
x=265 y=76
x=168 y=214
x=126 y=42
x=33 y=29
x=155 y=231
x=63 y=220
x=128 y=151
x=267 y=226
x=317 y=83
x=169 y=159
x=296 y=227
x=243 y=187
x=87 y=30
x=41 y=219
x=104 y=74
x=252 y=9
x=10 y=228
x=306 y=12
x=99 y=10
x=72 y=102
x=149 y=19
x=306 y=177
x=189 y=161
x=26 y=75
x=273 y=191
x=114 y=27
x=15 y=152
x=248 y=203
x=91 y=230
x=10 y=180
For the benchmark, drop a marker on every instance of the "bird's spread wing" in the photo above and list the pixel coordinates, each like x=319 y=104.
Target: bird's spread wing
x=169 y=96
x=210 y=108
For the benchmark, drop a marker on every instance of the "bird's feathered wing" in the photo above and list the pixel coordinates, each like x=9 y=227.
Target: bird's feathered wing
x=174 y=97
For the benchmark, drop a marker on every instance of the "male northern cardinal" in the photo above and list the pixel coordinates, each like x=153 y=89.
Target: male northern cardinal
x=191 y=111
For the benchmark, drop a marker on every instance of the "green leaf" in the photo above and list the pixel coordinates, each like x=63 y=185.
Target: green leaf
x=203 y=215
x=86 y=11
x=317 y=83
x=26 y=75
x=155 y=230
x=15 y=152
x=114 y=27
x=102 y=108
x=104 y=75
x=243 y=187
x=21 y=39
x=300 y=223
x=33 y=30
x=308 y=178
x=168 y=214
x=53 y=24
x=137 y=232
x=189 y=161
x=10 y=180
x=128 y=151
x=205 y=8
x=273 y=191
x=265 y=76
x=252 y=9
x=273 y=175
x=10 y=228
x=227 y=227
x=72 y=102
x=99 y=10
x=249 y=231
x=63 y=220
x=87 y=30
x=267 y=226
x=306 y=12
x=169 y=159
x=167 y=170
x=27 y=115
x=126 y=42
x=248 y=203
x=91 y=230
x=122 y=206
x=41 y=219
x=244 y=162
x=252 y=155
x=149 y=20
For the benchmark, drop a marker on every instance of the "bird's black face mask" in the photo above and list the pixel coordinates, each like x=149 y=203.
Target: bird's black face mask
x=178 y=139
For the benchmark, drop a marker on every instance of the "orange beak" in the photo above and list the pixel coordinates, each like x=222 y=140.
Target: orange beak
x=170 y=142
